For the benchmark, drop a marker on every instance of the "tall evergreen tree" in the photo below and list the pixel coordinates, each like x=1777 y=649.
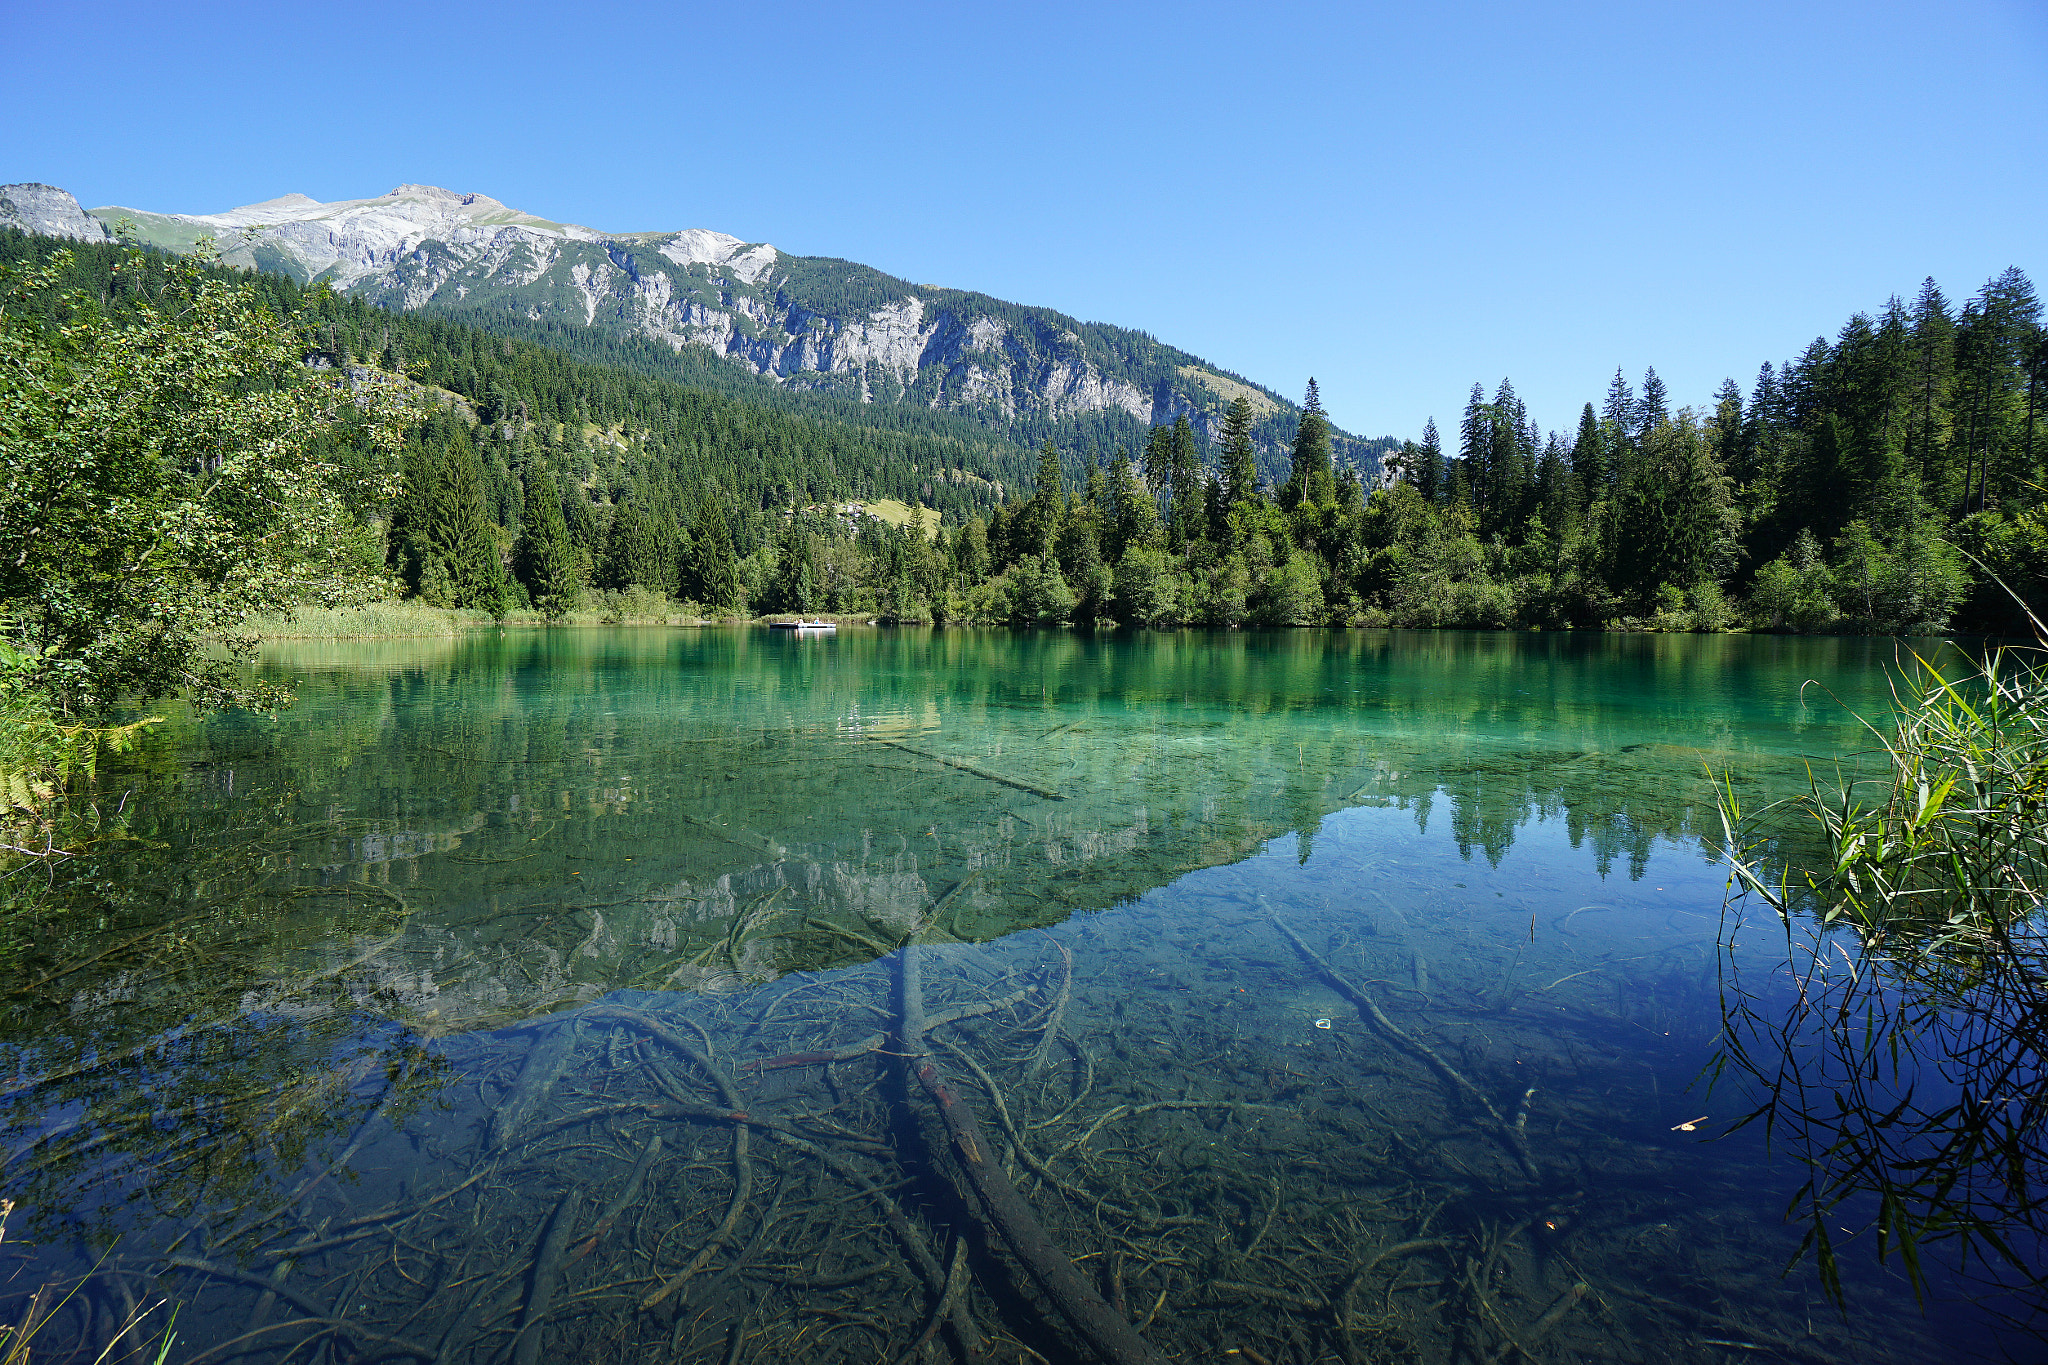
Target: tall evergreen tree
x=1240 y=456
x=1729 y=432
x=1933 y=385
x=1554 y=498
x=634 y=553
x=1312 y=480
x=1589 y=457
x=1134 y=515
x=796 y=566
x=463 y=560
x=1429 y=465
x=1620 y=414
x=1185 y=514
x=1475 y=450
x=543 y=557
x=711 y=571
x=1046 y=512
x=1653 y=408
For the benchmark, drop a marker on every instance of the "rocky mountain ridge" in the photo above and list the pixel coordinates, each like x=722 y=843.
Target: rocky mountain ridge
x=813 y=323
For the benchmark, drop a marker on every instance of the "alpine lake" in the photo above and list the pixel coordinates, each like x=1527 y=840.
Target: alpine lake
x=649 y=995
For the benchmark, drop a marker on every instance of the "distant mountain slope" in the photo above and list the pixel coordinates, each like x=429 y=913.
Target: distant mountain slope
x=791 y=323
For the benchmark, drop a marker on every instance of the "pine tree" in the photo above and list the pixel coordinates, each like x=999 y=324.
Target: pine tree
x=1134 y=516
x=462 y=565
x=634 y=553
x=1933 y=378
x=1730 y=433
x=1311 y=481
x=1620 y=415
x=1046 y=512
x=796 y=566
x=1475 y=450
x=1429 y=467
x=1185 y=519
x=711 y=574
x=1994 y=347
x=543 y=557
x=1509 y=464
x=1555 y=501
x=1672 y=522
x=406 y=530
x=1590 y=464
x=1240 y=456
x=1652 y=409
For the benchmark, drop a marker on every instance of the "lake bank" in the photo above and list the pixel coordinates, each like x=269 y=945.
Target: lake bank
x=411 y=617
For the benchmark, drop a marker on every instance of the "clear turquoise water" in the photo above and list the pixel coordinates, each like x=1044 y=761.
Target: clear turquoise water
x=359 y=1014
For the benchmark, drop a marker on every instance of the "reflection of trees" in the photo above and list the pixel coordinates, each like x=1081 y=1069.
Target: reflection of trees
x=180 y=1061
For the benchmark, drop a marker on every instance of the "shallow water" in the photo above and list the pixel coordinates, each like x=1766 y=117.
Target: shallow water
x=361 y=1043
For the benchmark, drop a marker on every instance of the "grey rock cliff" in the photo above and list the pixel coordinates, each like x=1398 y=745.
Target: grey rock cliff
x=34 y=207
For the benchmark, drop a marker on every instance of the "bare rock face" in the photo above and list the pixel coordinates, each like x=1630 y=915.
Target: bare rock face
x=45 y=209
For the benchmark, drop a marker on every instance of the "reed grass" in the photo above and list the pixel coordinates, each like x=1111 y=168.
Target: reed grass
x=1907 y=1066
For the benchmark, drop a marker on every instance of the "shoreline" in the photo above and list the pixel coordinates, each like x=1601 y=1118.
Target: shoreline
x=411 y=619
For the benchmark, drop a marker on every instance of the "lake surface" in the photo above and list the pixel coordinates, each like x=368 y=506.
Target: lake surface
x=1329 y=996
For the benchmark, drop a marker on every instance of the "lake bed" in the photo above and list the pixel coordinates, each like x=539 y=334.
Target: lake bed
x=1326 y=995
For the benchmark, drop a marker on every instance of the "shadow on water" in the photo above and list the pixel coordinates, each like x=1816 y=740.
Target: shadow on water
x=1327 y=996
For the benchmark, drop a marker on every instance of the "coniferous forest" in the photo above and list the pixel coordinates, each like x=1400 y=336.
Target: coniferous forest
x=1884 y=481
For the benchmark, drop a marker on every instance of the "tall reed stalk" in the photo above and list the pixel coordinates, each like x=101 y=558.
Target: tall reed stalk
x=1899 y=1045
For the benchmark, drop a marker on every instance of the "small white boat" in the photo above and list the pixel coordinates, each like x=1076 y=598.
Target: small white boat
x=806 y=627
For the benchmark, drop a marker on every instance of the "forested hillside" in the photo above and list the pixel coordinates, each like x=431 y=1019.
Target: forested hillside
x=1847 y=490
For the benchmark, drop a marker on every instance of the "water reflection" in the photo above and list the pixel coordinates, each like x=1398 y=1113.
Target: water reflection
x=509 y=874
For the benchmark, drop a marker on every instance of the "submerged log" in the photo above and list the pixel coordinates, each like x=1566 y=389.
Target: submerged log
x=1107 y=1332
x=545 y=1061
x=976 y=770
x=1512 y=1136
x=547 y=1277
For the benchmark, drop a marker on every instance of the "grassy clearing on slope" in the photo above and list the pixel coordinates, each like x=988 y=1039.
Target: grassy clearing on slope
x=898 y=514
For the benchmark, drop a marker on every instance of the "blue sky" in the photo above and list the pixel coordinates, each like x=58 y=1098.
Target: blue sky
x=1397 y=199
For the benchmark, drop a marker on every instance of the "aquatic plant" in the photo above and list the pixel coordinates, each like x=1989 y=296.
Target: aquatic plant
x=1900 y=1041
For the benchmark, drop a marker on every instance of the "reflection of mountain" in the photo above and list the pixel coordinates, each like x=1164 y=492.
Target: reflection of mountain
x=562 y=814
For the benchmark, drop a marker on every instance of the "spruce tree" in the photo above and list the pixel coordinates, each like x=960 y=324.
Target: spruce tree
x=1652 y=409
x=1429 y=469
x=1311 y=481
x=1934 y=373
x=1589 y=458
x=1730 y=433
x=462 y=538
x=711 y=575
x=1619 y=414
x=635 y=553
x=1240 y=456
x=543 y=557
x=796 y=567
x=1184 y=502
x=1046 y=512
x=1475 y=449
x=1134 y=516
